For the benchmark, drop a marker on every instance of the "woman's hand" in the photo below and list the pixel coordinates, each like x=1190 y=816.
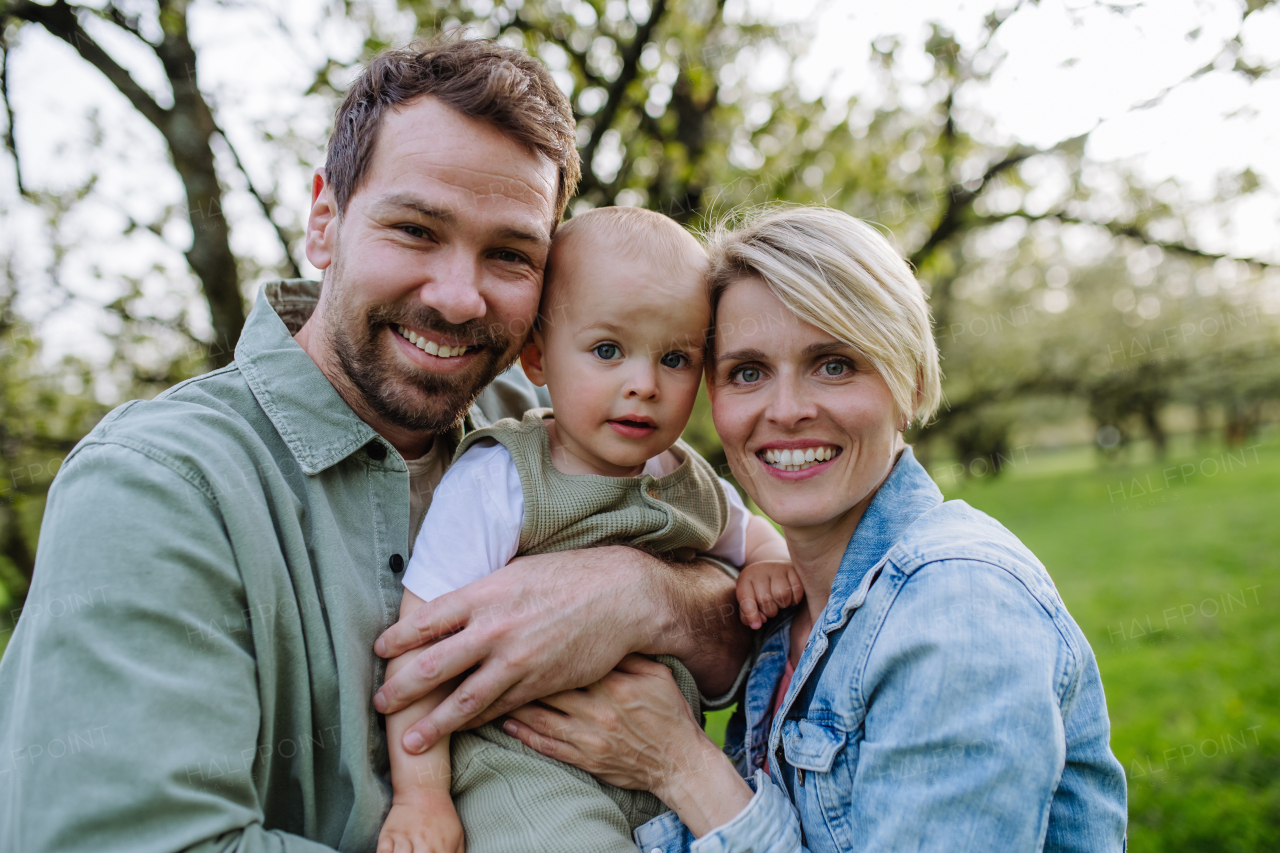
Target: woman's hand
x=634 y=729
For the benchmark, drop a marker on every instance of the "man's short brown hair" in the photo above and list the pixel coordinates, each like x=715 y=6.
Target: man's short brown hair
x=479 y=78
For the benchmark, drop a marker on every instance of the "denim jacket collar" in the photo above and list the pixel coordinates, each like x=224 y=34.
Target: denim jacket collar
x=905 y=495
x=304 y=407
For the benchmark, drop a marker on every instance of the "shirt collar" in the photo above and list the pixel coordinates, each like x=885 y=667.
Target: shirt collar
x=904 y=496
x=304 y=407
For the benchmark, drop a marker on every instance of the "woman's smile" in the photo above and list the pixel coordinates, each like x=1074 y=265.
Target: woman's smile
x=797 y=460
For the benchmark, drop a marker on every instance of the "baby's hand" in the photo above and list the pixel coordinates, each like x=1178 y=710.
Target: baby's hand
x=422 y=827
x=766 y=587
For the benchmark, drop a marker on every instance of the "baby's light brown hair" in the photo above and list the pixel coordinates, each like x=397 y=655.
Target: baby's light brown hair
x=628 y=232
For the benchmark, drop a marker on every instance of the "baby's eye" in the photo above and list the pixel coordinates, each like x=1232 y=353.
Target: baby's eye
x=746 y=374
x=607 y=352
x=675 y=360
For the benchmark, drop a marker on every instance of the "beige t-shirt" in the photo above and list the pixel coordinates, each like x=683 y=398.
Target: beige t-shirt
x=425 y=474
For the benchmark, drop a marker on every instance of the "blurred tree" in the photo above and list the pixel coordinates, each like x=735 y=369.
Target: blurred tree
x=670 y=119
x=43 y=412
x=1043 y=267
x=187 y=126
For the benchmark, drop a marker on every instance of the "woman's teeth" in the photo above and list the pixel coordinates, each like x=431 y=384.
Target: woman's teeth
x=430 y=347
x=800 y=458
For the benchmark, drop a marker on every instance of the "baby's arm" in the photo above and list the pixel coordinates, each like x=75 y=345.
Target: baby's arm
x=422 y=816
x=768 y=582
x=471 y=529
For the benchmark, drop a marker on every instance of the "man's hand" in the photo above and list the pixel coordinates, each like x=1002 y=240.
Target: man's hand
x=554 y=622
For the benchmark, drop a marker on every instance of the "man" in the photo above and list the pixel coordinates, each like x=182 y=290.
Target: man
x=239 y=540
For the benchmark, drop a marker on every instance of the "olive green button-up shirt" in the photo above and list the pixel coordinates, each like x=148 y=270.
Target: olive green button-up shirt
x=193 y=669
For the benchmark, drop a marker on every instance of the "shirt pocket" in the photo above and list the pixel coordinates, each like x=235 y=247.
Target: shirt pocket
x=823 y=755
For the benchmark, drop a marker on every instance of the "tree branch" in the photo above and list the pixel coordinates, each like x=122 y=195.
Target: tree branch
x=60 y=20
x=10 y=141
x=124 y=21
x=268 y=206
x=959 y=200
x=1121 y=229
x=617 y=90
x=522 y=23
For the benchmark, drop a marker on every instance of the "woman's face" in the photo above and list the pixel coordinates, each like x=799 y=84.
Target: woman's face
x=809 y=427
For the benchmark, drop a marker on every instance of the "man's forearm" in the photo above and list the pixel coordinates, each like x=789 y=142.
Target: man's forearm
x=698 y=623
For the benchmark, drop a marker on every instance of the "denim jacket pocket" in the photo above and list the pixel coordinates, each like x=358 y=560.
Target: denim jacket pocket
x=811 y=746
x=824 y=754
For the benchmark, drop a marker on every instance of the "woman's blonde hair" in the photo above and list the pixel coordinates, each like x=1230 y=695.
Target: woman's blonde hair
x=841 y=275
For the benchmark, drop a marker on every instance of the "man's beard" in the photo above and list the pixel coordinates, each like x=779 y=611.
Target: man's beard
x=415 y=399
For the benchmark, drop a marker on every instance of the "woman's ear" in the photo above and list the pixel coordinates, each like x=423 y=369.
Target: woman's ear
x=531 y=359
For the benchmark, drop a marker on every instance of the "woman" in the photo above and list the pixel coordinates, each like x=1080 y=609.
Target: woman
x=931 y=692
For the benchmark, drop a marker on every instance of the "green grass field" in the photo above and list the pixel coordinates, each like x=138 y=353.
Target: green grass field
x=1172 y=570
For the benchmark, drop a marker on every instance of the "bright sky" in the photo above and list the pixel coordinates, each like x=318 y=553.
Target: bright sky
x=1072 y=65
x=1069 y=66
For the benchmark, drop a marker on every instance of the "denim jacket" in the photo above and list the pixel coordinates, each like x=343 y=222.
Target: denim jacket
x=945 y=701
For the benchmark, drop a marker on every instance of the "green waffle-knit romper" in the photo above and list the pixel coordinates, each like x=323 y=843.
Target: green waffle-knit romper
x=511 y=799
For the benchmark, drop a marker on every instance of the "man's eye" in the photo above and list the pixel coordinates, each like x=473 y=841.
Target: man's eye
x=507 y=256
x=746 y=374
x=607 y=352
x=675 y=360
x=415 y=231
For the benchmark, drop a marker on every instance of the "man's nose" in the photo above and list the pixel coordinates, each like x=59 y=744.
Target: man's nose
x=454 y=288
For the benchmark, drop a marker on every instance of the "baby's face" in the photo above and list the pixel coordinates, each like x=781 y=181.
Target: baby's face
x=621 y=348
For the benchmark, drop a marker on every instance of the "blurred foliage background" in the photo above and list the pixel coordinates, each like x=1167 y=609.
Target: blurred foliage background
x=1091 y=344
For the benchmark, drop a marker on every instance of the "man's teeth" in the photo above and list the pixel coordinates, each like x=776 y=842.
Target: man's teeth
x=430 y=347
x=800 y=458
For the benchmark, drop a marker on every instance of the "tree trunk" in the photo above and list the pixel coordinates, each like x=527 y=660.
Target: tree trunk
x=187 y=128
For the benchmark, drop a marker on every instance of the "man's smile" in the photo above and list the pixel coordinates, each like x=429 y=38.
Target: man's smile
x=433 y=345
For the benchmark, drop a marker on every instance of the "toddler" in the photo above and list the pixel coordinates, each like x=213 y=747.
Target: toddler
x=619 y=345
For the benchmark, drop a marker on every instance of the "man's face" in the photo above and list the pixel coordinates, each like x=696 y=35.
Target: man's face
x=434 y=270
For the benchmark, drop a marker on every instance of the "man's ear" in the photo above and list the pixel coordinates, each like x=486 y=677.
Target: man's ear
x=531 y=359
x=322 y=223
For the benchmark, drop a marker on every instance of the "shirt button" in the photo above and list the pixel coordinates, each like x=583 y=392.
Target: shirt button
x=377 y=450
x=397 y=563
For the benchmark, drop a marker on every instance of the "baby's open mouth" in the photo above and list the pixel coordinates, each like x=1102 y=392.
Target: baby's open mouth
x=798 y=459
x=633 y=428
x=431 y=347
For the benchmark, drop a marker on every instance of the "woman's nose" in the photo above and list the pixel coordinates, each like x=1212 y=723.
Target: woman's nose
x=453 y=288
x=790 y=405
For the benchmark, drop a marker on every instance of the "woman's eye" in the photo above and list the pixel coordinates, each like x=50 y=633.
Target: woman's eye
x=675 y=360
x=746 y=374
x=835 y=368
x=608 y=352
